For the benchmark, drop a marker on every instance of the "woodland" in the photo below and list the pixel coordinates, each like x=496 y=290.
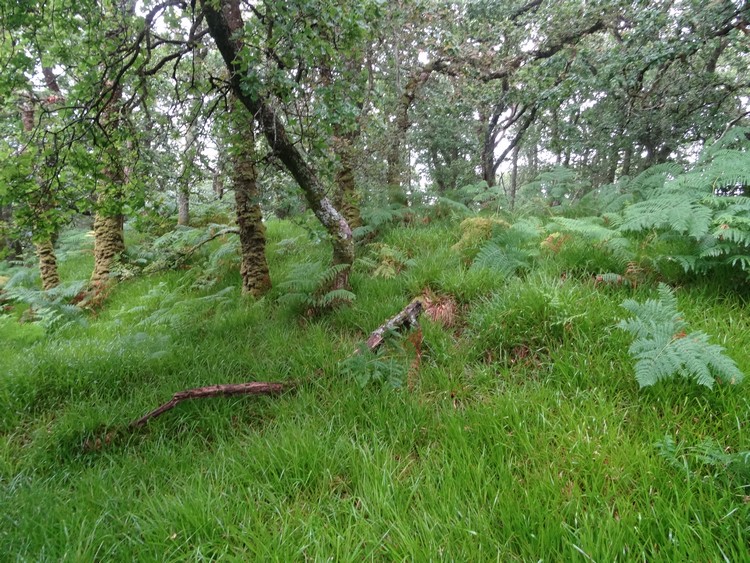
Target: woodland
x=367 y=280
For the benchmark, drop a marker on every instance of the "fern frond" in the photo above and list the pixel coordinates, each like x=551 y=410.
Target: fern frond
x=669 y=211
x=296 y=300
x=662 y=349
x=591 y=228
x=329 y=274
x=654 y=178
x=229 y=249
x=504 y=260
x=308 y=286
x=453 y=206
x=375 y=217
x=334 y=296
x=25 y=277
x=363 y=232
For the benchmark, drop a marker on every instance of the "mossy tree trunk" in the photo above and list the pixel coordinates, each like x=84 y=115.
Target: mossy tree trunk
x=109 y=243
x=346 y=199
x=109 y=237
x=256 y=279
x=225 y=26
x=183 y=206
x=45 y=251
x=43 y=231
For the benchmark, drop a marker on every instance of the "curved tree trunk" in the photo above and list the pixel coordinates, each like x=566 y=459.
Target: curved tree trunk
x=256 y=279
x=224 y=25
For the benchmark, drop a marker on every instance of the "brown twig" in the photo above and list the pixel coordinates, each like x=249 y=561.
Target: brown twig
x=216 y=235
x=252 y=388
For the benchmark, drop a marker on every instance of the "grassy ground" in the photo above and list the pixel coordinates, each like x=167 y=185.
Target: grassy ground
x=521 y=436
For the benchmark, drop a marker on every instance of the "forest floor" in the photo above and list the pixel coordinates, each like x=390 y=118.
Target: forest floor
x=518 y=431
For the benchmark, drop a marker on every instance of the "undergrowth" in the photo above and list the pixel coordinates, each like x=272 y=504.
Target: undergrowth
x=520 y=434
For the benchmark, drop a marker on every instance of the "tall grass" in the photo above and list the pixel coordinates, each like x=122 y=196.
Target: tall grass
x=523 y=436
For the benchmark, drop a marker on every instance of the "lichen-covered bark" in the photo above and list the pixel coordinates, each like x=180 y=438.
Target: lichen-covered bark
x=45 y=251
x=256 y=279
x=183 y=207
x=109 y=238
x=39 y=203
x=109 y=243
x=346 y=199
x=187 y=175
x=225 y=24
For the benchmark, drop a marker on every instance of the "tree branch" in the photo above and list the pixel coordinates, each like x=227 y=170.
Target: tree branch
x=225 y=390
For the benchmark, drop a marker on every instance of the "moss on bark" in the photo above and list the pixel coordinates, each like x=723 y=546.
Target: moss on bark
x=346 y=199
x=256 y=279
x=109 y=243
x=45 y=250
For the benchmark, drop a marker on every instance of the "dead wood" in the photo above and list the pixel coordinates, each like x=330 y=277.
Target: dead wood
x=252 y=388
x=407 y=318
x=404 y=320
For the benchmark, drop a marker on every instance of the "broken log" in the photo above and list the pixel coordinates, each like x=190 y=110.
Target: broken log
x=407 y=318
x=253 y=388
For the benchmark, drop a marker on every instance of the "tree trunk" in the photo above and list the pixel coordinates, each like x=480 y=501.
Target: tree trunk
x=109 y=243
x=218 y=184
x=109 y=236
x=395 y=161
x=256 y=279
x=40 y=206
x=533 y=161
x=626 y=160
x=10 y=248
x=488 y=157
x=186 y=177
x=346 y=199
x=614 y=158
x=183 y=206
x=225 y=25
x=47 y=264
x=514 y=177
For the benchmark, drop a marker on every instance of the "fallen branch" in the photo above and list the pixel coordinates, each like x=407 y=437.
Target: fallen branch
x=218 y=234
x=253 y=388
x=407 y=318
x=404 y=320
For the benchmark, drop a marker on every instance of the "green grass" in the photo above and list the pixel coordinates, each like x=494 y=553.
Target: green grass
x=524 y=435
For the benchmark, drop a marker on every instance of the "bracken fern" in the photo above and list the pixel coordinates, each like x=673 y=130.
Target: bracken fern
x=662 y=348
x=308 y=287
